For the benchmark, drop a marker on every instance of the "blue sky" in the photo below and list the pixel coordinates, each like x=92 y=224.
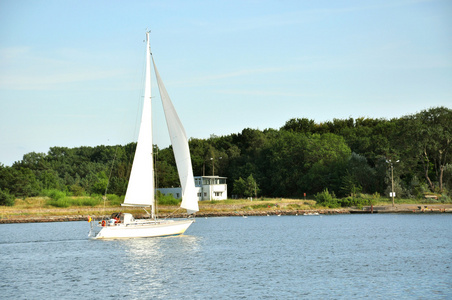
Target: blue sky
x=71 y=72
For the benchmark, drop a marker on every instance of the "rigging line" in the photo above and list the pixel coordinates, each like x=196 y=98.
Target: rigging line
x=155 y=181
x=148 y=213
x=111 y=172
x=108 y=181
x=139 y=76
x=173 y=212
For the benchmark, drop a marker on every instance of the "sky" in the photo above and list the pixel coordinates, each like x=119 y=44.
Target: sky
x=71 y=72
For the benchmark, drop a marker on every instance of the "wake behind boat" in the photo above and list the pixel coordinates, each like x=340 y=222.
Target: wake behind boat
x=141 y=190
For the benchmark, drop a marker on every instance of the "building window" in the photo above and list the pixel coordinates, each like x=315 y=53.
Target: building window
x=218 y=194
x=199 y=194
x=177 y=195
x=205 y=194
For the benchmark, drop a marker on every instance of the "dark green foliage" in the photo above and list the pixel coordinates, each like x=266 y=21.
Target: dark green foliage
x=67 y=201
x=239 y=187
x=63 y=202
x=445 y=199
x=351 y=201
x=6 y=199
x=77 y=190
x=167 y=199
x=115 y=199
x=20 y=181
x=326 y=199
x=359 y=176
x=348 y=157
x=323 y=196
x=428 y=143
x=54 y=194
x=100 y=185
x=247 y=188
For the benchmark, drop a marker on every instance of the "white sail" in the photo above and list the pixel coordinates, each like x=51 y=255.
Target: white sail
x=140 y=191
x=180 y=148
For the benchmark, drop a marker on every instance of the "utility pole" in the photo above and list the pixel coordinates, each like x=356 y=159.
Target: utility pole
x=392 y=183
x=213 y=165
x=392 y=179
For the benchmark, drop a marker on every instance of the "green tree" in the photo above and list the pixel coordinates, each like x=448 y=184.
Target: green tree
x=326 y=157
x=342 y=155
x=6 y=199
x=20 y=181
x=100 y=186
x=283 y=164
x=429 y=136
x=49 y=179
x=247 y=188
x=239 y=187
x=251 y=188
x=359 y=176
x=300 y=125
x=166 y=170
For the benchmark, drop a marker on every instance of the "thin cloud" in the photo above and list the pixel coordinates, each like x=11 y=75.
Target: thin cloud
x=267 y=93
x=22 y=69
x=47 y=82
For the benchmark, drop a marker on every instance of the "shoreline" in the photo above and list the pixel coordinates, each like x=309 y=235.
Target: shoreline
x=388 y=209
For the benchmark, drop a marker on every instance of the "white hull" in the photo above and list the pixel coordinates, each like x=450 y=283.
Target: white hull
x=141 y=229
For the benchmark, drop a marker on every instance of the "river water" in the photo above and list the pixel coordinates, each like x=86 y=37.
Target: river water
x=380 y=256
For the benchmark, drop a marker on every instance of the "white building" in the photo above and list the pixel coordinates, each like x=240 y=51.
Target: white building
x=207 y=188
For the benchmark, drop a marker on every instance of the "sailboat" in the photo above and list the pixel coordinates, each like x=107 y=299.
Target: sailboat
x=141 y=190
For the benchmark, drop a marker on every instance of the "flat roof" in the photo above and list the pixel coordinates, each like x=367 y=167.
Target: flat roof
x=210 y=177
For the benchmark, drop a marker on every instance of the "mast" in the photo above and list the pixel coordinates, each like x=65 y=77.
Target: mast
x=147 y=93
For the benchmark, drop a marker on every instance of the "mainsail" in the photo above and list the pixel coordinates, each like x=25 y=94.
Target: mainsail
x=140 y=191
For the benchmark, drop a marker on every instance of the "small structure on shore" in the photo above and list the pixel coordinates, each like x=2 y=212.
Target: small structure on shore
x=208 y=188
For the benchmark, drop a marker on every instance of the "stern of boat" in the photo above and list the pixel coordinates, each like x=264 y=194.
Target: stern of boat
x=94 y=230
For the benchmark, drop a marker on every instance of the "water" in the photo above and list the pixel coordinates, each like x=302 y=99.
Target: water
x=289 y=257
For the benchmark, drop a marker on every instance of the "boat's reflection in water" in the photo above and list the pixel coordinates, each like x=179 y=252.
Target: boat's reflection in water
x=152 y=265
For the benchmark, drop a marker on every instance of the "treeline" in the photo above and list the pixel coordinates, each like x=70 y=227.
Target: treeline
x=345 y=156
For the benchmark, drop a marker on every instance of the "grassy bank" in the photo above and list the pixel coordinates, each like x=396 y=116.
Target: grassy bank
x=74 y=208
x=70 y=206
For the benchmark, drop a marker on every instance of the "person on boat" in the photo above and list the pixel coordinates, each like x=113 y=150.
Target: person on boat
x=116 y=217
